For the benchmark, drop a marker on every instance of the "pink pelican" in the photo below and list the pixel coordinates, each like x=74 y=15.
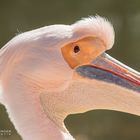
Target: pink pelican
x=51 y=72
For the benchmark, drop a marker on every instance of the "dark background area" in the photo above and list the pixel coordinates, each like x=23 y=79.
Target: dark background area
x=18 y=16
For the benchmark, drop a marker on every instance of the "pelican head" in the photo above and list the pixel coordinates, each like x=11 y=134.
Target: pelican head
x=51 y=72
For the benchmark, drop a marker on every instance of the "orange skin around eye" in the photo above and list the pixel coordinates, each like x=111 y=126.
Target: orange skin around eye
x=90 y=48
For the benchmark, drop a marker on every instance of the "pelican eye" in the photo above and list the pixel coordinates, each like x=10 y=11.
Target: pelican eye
x=76 y=49
x=82 y=51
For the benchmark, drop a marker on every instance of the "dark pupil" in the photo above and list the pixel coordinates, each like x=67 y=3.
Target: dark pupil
x=76 y=49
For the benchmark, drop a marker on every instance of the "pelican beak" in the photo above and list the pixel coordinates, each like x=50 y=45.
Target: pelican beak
x=110 y=70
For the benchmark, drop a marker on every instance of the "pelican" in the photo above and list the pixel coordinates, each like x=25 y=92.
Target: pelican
x=51 y=72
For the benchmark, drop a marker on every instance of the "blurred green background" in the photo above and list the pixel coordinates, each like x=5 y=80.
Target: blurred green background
x=22 y=15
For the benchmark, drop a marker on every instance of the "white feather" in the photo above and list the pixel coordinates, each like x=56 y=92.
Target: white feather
x=97 y=27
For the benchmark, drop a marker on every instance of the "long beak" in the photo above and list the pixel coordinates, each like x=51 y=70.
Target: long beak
x=110 y=70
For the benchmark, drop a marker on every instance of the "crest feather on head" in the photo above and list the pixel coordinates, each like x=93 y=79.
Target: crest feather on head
x=96 y=26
